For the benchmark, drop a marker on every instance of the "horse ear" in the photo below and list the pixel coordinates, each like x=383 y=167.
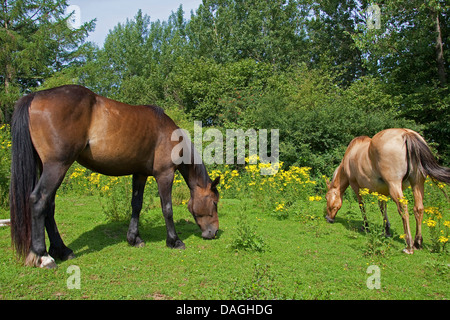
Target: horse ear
x=215 y=183
x=328 y=183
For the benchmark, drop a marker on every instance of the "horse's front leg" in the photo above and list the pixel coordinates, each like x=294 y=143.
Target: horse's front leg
x=133 y=237
x=365 y=226
x=165 y=182
x=387 y=225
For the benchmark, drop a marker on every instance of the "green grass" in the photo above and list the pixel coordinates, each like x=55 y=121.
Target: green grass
x=304 y=257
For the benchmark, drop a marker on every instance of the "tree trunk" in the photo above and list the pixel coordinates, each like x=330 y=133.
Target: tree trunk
x=440 y=53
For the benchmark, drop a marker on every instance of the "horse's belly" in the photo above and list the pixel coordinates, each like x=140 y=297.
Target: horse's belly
x=116 y=161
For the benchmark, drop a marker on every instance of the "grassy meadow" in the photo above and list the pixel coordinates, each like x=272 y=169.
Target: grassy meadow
x=274 y=243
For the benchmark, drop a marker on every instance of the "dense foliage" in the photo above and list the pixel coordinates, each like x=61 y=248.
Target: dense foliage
x=313 y=70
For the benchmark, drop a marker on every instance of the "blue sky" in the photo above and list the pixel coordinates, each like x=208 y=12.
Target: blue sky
x=110 y=12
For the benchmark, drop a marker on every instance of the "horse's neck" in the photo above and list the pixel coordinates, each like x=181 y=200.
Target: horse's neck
x=340 y=179
x=195 y=175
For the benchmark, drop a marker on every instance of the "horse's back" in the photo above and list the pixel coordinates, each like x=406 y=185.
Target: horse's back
x=71 y=123
x=356 y=162
x=125 y=139
x=375 y=162
x=389 y=153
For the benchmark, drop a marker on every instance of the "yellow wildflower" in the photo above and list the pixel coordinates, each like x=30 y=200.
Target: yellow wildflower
x=383 y=198
x=364 y=192
x=443 y=239
x=280 y=206
x=431 y=223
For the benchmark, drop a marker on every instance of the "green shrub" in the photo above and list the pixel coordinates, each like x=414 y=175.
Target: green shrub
x=5 y=165
x=247 y=237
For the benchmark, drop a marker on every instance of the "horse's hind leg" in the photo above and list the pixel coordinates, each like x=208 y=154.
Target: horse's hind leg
x=41 y=200
x=136 y=204
x=418 y=191
x=396 y=193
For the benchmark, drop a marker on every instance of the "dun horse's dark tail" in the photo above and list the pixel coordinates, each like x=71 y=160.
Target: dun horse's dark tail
x=419 y=153
x=24 y=174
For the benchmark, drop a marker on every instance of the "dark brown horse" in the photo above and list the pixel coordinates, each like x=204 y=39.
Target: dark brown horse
x=51 y=129
x=387 y=164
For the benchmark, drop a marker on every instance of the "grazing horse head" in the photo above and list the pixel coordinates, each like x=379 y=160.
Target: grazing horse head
x=334 y=201
x=203 y=206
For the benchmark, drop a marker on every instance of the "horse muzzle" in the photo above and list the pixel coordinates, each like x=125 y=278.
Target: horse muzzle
x=329 y=219
x=210 y=233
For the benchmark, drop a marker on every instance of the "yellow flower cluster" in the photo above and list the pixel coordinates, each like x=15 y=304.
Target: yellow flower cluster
x=439 y=228
x=255 y=177
x=5 y=143
x=380 y=197
x=430 y=222
x=279 y=206
x=433 y=212
x=434 y=216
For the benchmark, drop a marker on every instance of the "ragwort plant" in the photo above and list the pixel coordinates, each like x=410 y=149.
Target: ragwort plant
x=437 y=215
x=277 y=192
x=377 y=244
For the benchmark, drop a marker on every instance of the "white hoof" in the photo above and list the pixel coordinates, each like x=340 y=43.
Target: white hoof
x=408 y=251
x=47 y=262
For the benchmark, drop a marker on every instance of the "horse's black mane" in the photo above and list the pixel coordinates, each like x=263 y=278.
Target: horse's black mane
x=158 y=110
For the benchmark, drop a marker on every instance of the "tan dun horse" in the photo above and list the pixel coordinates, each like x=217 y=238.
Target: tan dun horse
x=387 y=164
x=51 y=129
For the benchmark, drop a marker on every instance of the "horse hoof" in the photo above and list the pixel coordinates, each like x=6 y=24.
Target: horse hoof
x=70 y=256
x=48 y=262
x=177 y=245
x=364 y=229
x=408 y=251
x=140 y=244
x=62 y=254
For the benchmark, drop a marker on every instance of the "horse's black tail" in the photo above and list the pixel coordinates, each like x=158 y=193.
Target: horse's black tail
x=24 y=174
x=420 y=153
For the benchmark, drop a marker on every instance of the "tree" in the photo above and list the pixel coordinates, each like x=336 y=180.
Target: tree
x=330 y=28
x=410 y=53
x=265 y=31
x=35 y=43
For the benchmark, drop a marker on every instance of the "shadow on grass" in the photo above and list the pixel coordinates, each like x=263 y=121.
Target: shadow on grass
x=112 y=233
x=356 y=225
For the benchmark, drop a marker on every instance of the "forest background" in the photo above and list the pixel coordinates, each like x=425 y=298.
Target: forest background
x=321 y=72
x=317 y=71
